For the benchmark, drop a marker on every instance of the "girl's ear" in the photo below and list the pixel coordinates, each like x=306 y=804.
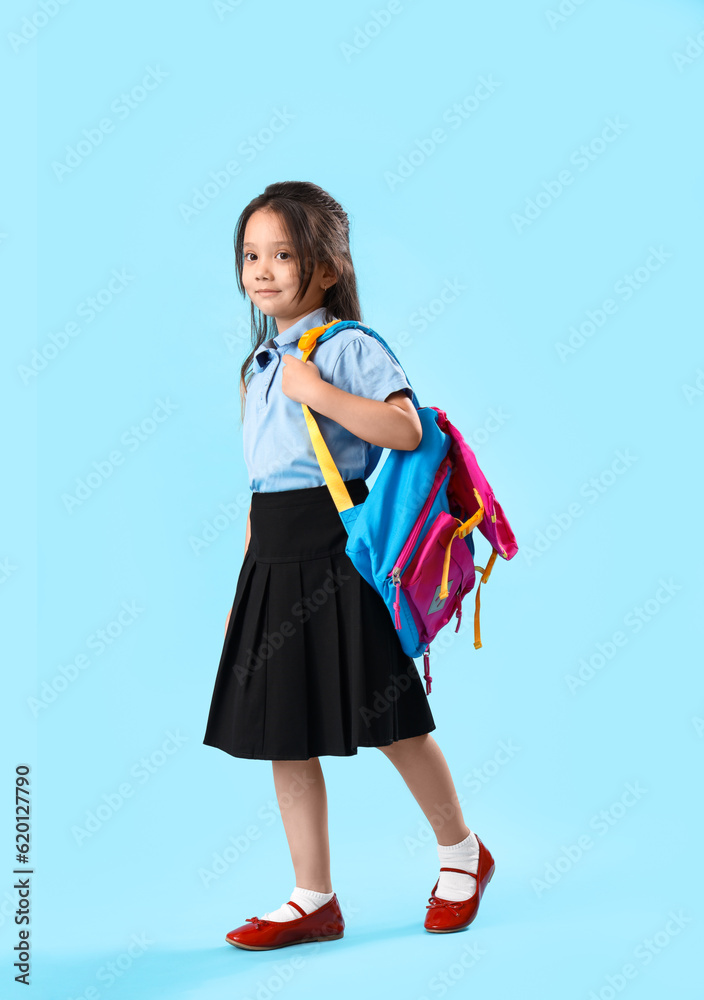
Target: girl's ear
x=331 y=274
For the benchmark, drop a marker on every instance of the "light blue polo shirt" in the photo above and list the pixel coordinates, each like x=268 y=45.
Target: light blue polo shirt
x=277 y=447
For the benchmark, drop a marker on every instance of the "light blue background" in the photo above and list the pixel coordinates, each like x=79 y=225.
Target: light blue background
x=178 y=331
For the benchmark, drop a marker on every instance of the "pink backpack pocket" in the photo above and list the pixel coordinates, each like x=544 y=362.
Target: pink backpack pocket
x=442 y=556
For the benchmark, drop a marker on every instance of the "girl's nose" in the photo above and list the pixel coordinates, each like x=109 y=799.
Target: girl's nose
x=263 y=272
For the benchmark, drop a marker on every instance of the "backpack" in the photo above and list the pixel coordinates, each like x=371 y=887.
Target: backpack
x=411 y=538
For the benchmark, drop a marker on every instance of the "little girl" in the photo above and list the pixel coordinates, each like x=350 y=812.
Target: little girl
x=311 y=664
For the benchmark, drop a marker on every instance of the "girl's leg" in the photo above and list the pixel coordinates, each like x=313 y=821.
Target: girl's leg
x=421 y=764
x=302 y=798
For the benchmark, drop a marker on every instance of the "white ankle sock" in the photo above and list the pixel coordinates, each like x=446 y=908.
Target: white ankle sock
x=307 y=899
x=453 y=885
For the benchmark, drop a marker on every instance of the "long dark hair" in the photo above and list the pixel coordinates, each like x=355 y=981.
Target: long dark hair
x=319 y=231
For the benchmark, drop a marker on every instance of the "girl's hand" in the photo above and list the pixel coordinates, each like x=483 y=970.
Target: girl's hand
x=299 y=379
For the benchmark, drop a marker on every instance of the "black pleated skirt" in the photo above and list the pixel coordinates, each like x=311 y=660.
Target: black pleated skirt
x=311 y=663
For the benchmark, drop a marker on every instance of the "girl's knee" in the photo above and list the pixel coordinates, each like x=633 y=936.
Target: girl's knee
x=398 y=746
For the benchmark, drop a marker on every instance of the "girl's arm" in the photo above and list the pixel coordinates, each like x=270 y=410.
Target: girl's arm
x=393 y=423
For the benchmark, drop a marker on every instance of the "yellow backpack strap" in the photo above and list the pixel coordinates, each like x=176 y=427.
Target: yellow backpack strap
x=331 y=474
x=460 y=531
x=485 y=576
x=309 y=339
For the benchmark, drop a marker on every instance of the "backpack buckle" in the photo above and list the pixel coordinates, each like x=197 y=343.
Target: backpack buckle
x=308 y=339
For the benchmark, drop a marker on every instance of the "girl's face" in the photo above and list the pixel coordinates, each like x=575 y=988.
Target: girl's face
x=270 y=272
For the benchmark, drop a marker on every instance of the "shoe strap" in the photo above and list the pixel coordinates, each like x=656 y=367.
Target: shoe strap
x=461 y=870
x=299 y=908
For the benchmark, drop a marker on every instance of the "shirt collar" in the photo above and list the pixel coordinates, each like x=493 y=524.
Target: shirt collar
x=289 y=336
x=295 y=332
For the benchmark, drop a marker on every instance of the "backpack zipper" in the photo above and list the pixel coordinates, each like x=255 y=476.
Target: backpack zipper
x=395 y=573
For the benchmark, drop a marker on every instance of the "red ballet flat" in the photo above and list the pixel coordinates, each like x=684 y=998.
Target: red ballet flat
x=447 y=915
x=257 y=934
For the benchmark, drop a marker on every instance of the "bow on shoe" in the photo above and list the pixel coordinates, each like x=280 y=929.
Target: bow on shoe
x=257 y=922
x=454 y=904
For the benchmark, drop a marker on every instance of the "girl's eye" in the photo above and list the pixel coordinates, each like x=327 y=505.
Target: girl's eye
x=250 y=253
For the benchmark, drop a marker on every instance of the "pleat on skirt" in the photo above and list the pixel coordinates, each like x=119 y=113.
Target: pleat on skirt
x=311 y=663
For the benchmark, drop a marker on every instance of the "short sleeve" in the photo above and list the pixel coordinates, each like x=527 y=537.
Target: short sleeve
x=365 y=369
